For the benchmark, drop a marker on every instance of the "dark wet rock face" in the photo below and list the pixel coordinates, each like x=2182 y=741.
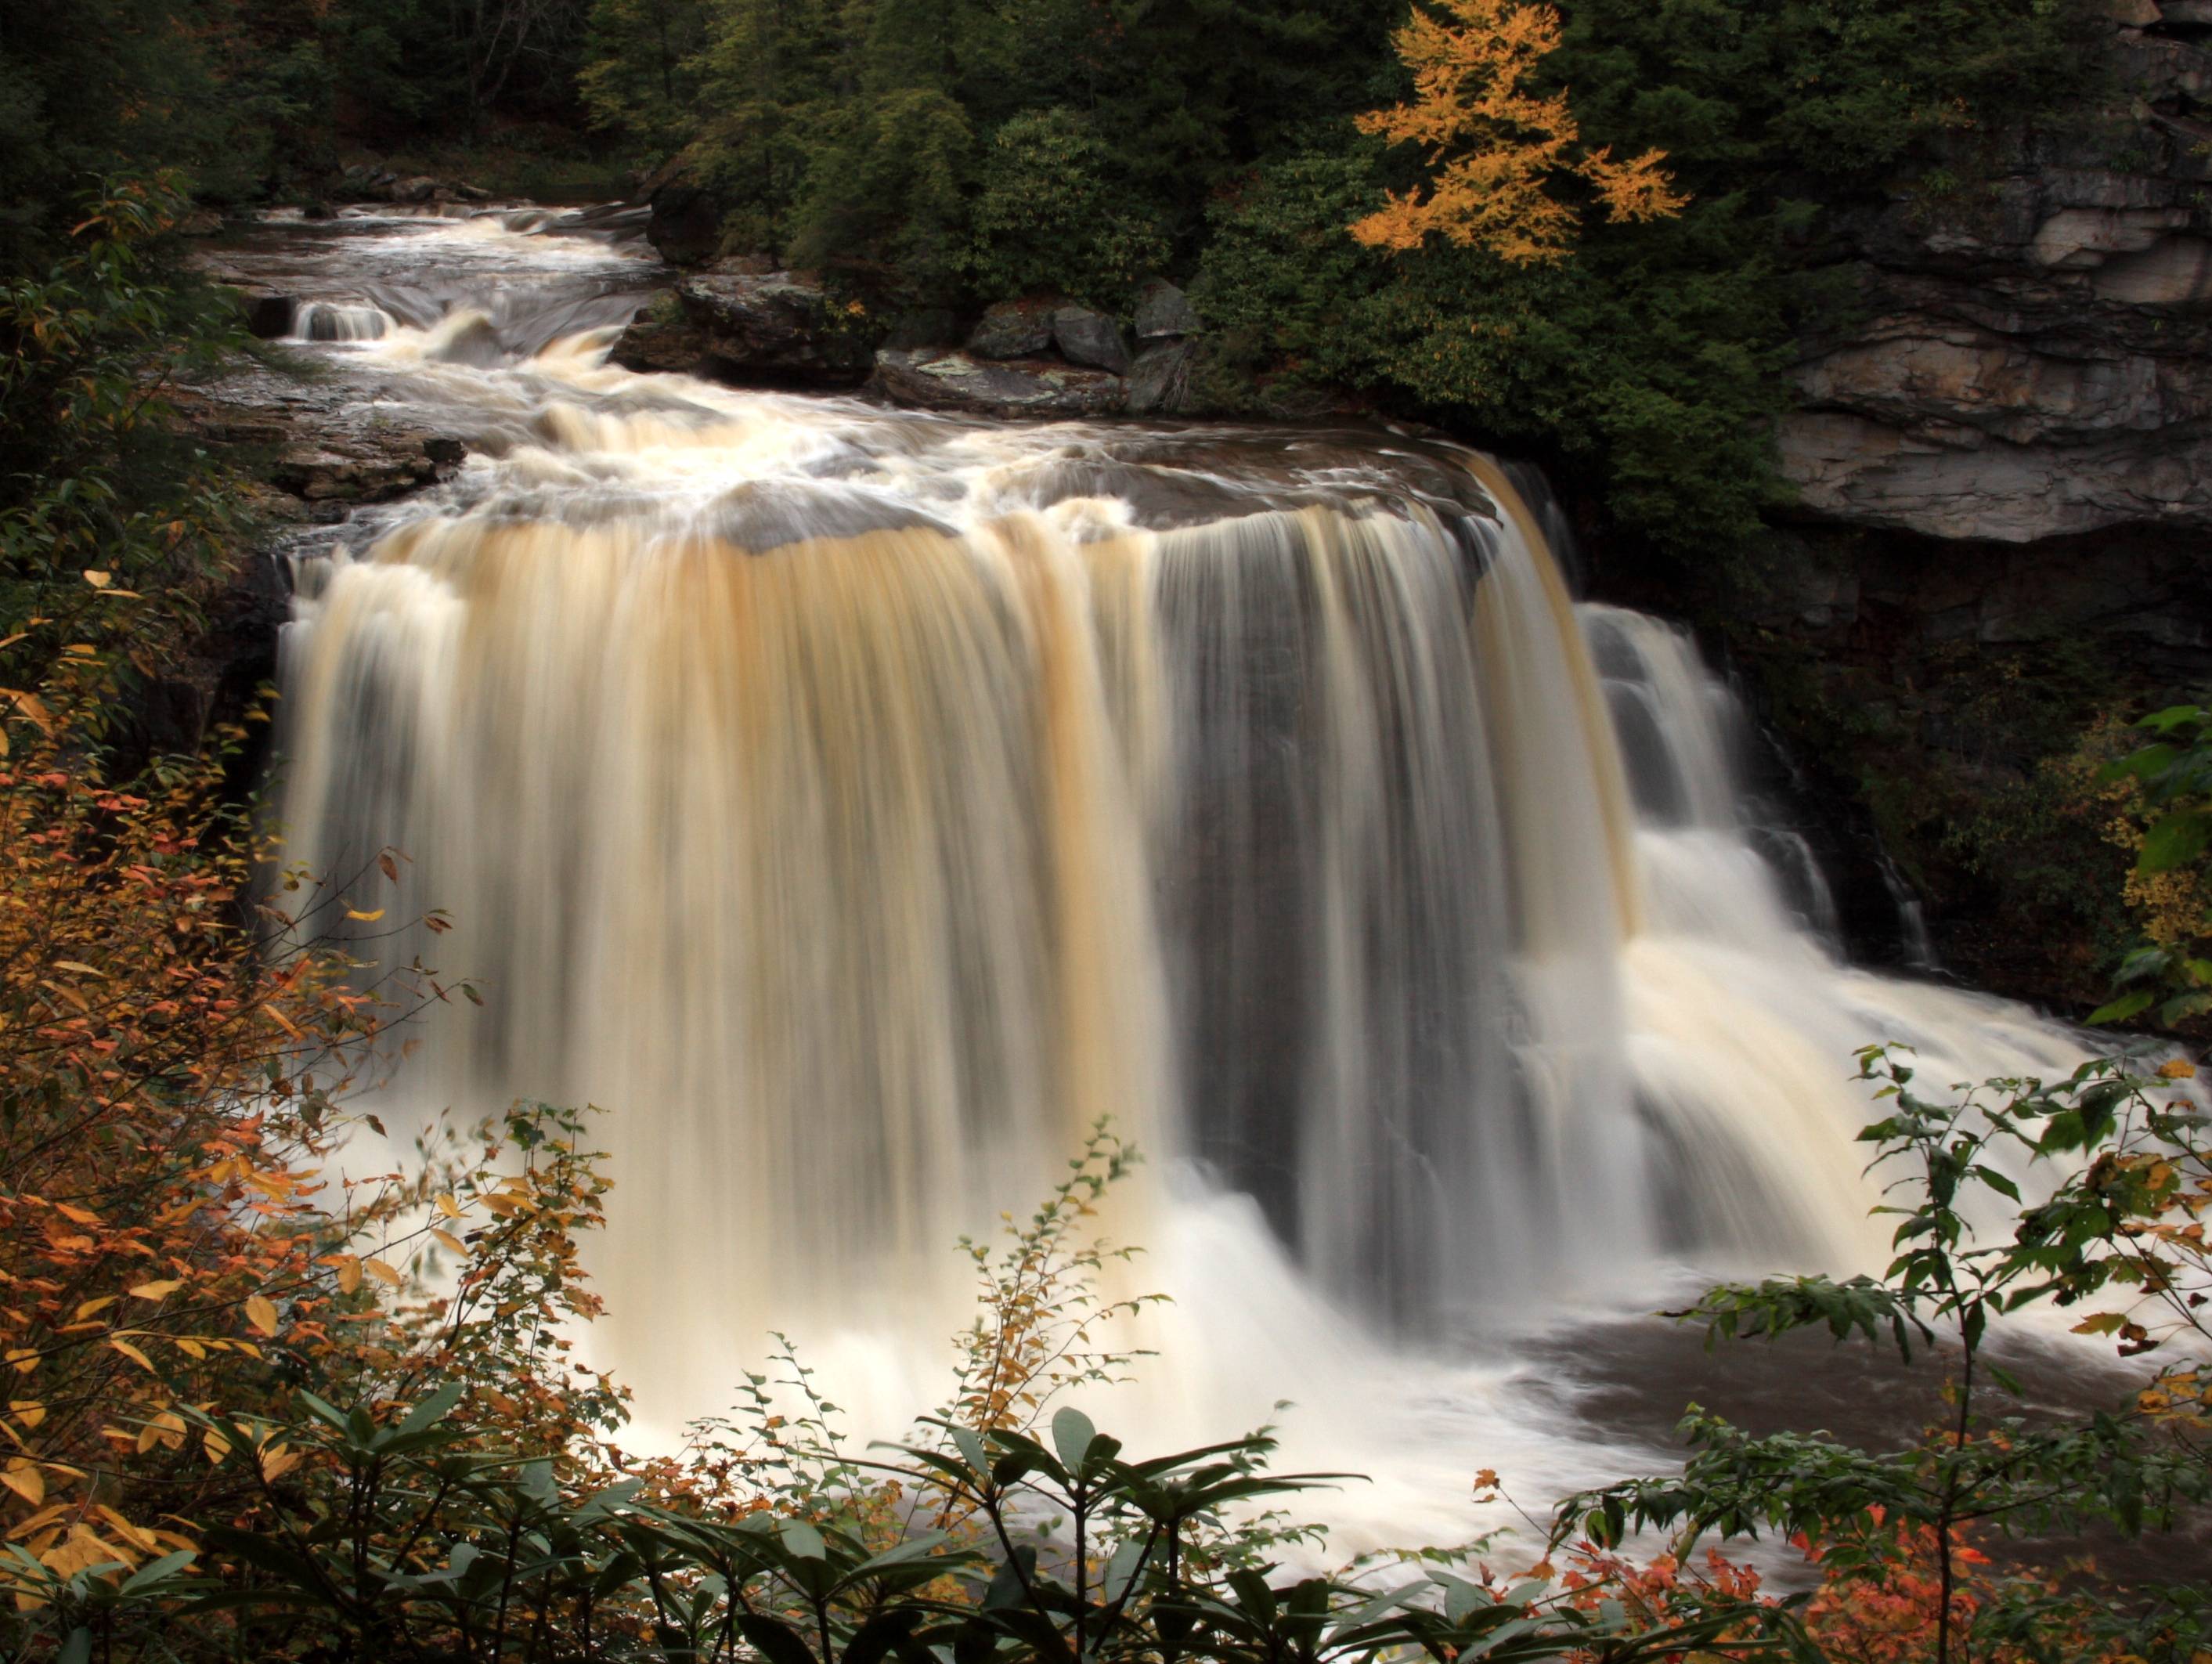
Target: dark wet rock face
x=739 y=323
x=2032 y=355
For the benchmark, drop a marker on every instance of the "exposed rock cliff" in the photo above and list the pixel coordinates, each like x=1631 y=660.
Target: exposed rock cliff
x=2030 y=356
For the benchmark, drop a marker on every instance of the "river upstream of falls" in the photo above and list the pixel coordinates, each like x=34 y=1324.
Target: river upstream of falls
x=859 y=805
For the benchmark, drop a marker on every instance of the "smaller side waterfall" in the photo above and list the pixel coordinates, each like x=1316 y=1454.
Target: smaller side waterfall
x=329 y=321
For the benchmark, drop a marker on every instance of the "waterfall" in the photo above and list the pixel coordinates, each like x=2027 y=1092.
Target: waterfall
x=859 y=805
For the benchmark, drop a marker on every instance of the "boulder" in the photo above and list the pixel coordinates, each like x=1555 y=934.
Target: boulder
x=935 y=378
x=1084 y=336
x=200 y=222
x=771 y=328
x=662 y=339
x=685 y=226
x=1164 y=310
x=1013 y=328
x=1159 y=381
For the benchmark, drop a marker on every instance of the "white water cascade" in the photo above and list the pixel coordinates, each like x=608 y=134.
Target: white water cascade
x=859 y=805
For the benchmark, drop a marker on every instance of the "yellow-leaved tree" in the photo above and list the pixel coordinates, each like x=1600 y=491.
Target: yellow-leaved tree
x=1495 y=147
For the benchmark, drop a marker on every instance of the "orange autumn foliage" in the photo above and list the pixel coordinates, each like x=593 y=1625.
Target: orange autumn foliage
x=166 y=1050
x=1497 y=147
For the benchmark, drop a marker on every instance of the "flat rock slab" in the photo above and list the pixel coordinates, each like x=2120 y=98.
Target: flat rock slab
x=940 y=378
x=318 y=436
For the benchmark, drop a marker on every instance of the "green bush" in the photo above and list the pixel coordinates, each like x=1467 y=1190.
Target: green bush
x=1049 y=217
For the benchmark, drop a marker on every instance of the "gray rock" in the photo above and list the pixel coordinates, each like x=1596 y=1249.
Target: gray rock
x=319 y=440
x=2175 y=271
x=1084 y=336
x=938 y=380
x=1165 y=310
x=1159 y=381
x=771 y=328
x=1013 y=328
x=1961 y=484
x=660 y=338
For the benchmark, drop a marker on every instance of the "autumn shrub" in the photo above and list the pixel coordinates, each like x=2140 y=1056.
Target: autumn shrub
x=2124 y=1164
x=170 y=1054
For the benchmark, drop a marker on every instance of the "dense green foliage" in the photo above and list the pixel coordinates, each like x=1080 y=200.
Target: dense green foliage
x=254 y=98
x=958 y=153
x=2169 y=973
x=100 y=497
x=964 y=153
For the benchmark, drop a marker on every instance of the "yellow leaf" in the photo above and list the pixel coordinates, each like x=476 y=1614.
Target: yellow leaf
x=98 y=578
x=160 y=1290
x=449 y=1240
x=133 y=1354
x=79 y=967
x=28 y=1411
x=449 y=1206
x=217 y=1447
x=365 y=917
x=261 y=1312
x=350 y=1273
x=2178 y=1069
x=24 y=1478
x=381 y=1271
x=91 y=1306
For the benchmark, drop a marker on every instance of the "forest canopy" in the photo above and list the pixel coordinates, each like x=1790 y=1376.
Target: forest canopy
x=950 y=156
